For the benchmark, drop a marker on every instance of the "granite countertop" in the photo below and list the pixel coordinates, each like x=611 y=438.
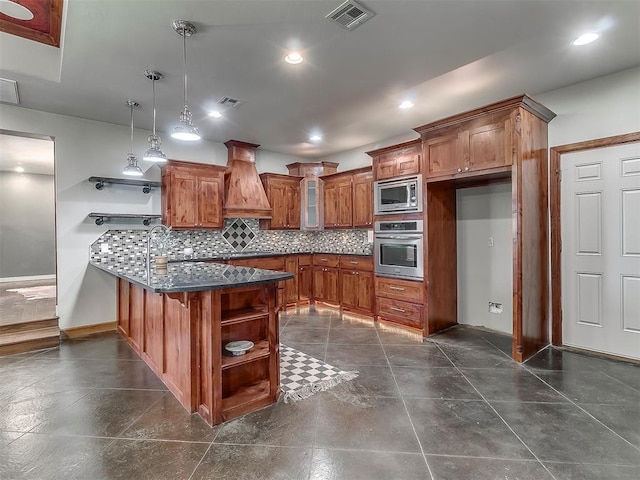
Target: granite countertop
x=257 y=254
x=192 y=276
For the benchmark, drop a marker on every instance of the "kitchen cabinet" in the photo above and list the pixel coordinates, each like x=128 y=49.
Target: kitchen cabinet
x=338 y=201
x=397 y=160
x=469 y=147
x=503 y=142
x=291 y=286
x=400 y=301
x=192 y=195
x=305 y=279
x=267 y=263
x=311 y=191
x=283 y=193
x=357 y=284
x=326 y=278
x=363 y=200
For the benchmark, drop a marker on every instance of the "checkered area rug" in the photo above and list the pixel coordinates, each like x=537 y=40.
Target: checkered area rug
x=302 y=375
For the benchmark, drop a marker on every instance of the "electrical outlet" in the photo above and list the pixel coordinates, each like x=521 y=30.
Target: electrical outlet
x=490 y=242
x=495 y=307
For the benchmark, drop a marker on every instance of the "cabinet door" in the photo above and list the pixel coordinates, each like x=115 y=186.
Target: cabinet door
x=331 y=283
x=278 y=200
x=318 y=283
x=305 y=283
x=330 y=204
x=183 y=201
x=344 y=207
x=349 y=288
x=364 y=290
x=209 y=204
x=444 y=154
x=408 y=162
x=291 y=286
x=489 y=146
x=292 y=193
x=385 y=166
x=363 y=200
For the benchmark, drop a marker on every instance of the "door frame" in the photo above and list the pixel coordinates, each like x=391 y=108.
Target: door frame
x=555 y=211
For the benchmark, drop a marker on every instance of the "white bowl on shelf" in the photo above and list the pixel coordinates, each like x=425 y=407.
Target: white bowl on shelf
x=239 y=347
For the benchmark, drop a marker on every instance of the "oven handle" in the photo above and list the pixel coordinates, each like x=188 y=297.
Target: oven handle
x=399 y=237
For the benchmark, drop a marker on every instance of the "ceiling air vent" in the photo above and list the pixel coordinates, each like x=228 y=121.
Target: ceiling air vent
x=229 y=102
x=9 y=91
x=350 y=15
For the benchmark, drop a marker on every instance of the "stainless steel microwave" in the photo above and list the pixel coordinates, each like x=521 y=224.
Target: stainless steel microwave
x=398 y=195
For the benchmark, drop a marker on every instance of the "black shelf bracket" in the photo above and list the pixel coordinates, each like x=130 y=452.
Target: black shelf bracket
x=146 y=185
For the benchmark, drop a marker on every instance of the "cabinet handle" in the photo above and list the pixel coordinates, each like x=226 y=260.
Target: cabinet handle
x=459 y=170
x=400 y=289
x=354 y=263
x=466 y=169
x=324 y=260
x=355 y=273
x=396 y=309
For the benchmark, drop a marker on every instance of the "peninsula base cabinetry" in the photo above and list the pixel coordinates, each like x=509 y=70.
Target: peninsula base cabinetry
x=181 y=336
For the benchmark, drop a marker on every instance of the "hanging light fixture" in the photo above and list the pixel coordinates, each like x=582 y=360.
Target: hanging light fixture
x=185 y=130
x=132 y=169
x=154 y=153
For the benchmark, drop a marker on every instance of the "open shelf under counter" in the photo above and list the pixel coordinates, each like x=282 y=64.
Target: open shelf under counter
x=248 y=395
x=230 y=317
x=259 y=350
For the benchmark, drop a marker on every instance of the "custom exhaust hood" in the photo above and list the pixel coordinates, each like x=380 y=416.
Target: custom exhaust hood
x=244 y=194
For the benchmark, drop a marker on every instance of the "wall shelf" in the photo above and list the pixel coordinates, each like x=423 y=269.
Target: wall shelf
x=146 y=185
x=100 y=218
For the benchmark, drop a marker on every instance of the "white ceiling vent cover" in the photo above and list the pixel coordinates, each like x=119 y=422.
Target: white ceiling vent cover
x=230 y=102
x=350 y=15
x=9 y=91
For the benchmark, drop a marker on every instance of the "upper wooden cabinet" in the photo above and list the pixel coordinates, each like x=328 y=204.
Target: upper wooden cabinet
x=363 y=200
x=348 y=199
x=396 y=160
x=470 y=147
x=338 y=201
x=192 y=195
x=283 y=192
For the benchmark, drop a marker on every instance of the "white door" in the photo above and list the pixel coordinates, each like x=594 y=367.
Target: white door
x=600 y=217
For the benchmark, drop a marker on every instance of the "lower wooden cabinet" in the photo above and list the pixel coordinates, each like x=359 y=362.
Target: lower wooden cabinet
x=305 y=279
x=291 y=286
x=356 y=287
x=400 y=301
x=325 y=284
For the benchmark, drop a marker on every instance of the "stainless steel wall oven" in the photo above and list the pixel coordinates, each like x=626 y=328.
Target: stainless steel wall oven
x=398 y=249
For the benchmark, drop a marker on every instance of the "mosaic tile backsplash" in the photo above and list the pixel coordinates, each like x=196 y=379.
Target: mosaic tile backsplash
x=238 y=235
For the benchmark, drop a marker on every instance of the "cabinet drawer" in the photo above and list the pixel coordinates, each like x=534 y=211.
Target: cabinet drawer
x=322 y=260
x=304 y=260
x=269 y=263
x=409 y=313
x=352 y=262
x=400 y=289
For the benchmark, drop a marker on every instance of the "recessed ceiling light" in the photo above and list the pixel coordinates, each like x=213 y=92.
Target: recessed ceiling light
x=293 y=58
x=19 y=169
x=586 y=38
x=406 y=104
x=315 y=137
x=215 y=114
x=15 y=10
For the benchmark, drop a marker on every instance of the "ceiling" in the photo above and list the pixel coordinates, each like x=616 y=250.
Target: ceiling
x=447 y=56
x=34 y=155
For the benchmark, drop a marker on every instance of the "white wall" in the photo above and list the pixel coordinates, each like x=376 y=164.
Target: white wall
x=485 y=274
x=27 y=226
x=84 y=148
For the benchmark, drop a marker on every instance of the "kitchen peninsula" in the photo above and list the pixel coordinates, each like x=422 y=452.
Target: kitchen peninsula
x=178 y=323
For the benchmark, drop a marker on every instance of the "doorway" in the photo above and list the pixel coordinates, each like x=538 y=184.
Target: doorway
x=27 y=237
x=595 y=205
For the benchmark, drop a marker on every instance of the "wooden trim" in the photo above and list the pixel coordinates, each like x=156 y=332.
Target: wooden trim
x=85 y=330
x=555 y=212
x=392 y=148
x=16 y=27
x=525 y=101
x=346 y=173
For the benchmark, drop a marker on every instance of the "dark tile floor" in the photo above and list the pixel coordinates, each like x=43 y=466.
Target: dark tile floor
x=454 y=407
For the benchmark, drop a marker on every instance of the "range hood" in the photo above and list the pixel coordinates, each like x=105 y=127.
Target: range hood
x=244 y=194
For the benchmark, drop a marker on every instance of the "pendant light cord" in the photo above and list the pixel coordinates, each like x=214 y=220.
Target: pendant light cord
x=184 y=51
x=131 y=106
x=154 y=104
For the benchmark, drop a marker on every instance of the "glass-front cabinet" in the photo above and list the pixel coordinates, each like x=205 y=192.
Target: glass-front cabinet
x=311 y=213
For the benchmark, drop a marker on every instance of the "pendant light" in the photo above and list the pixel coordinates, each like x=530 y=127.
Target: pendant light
x=185 y=130
x=154 y=153
x=132 y=169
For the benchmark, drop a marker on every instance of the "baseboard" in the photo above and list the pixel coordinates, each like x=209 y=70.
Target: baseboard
x=27 y=279
x=85 y=330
